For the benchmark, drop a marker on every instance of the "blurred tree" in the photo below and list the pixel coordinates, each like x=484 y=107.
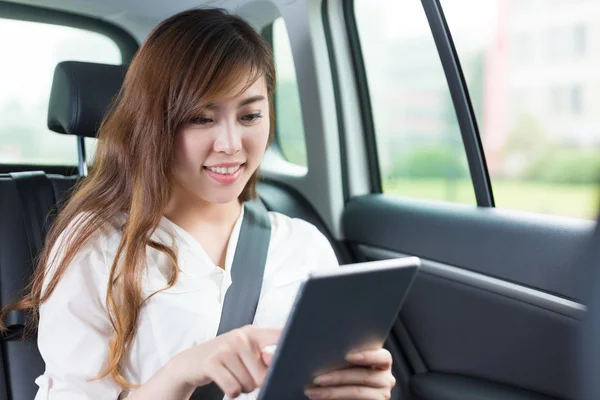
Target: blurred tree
x=526 y=144
x=527 y=136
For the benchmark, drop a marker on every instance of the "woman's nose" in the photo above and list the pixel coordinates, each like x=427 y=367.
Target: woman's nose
x=229 y=139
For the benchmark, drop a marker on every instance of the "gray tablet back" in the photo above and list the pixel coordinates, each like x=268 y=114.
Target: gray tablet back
x=334 y=313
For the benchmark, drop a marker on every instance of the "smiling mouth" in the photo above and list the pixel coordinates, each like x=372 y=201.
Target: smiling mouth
x=224 y=170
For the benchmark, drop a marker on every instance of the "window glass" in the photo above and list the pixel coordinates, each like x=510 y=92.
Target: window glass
x=538 y=119
x=288 y=112
x=26 y=70
x=419 y=144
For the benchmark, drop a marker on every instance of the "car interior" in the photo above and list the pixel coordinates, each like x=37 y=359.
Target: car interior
x=438 y=129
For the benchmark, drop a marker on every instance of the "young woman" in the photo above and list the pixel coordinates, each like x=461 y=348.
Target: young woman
x=132 y=279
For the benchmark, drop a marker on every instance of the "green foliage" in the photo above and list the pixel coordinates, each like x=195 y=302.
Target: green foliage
x=565 y=166
x=527 y=137
x=431 y=162
x=549 y=162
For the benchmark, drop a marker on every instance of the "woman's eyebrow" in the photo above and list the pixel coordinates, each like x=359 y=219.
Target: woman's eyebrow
x=251 y=100
x=245 y=102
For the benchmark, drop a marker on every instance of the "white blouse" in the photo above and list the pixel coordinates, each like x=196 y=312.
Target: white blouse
x=74 y=329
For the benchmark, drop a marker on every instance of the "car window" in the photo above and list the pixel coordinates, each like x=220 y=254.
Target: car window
x=26 y=70
x=419 y=144
x=533 y=79
x=288 y=111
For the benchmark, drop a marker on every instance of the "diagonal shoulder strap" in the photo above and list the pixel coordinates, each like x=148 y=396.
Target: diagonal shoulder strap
x=247 y=270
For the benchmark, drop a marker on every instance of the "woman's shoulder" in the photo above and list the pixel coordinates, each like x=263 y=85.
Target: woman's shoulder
x=288 y=229
x=103 y=233
x=103 y=238
x=296 y=240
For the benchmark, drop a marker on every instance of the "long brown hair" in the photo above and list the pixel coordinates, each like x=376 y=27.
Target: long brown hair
x=190 y=59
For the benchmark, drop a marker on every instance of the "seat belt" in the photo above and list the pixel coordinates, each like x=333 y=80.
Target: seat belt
x=247 y=271
x=37 y=198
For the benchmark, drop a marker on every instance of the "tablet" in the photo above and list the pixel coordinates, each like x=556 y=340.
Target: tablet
x=335 y=312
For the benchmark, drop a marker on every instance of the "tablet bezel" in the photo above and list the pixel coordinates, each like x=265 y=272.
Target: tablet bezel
x=348 y=269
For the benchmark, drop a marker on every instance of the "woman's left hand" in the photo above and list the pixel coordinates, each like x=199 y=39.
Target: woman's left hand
x=370 y=378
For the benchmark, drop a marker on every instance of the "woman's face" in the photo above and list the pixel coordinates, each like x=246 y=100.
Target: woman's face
x=217 y=153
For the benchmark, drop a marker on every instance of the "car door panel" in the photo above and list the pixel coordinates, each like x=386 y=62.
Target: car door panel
x=494 y=305
x=451 y=387
x=532 y=250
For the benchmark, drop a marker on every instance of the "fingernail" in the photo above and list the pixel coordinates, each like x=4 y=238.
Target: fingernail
x=323 y=380
x=355 y=357
x=314 y=394
x=269 y=349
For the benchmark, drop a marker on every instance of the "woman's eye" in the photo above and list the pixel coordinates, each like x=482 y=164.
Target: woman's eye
x=201 y=120
x=251 y=117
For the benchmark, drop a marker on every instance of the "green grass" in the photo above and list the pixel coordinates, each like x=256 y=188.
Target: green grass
x=569 y=200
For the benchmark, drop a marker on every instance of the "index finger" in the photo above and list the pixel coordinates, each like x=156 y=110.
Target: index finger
x=264 y=337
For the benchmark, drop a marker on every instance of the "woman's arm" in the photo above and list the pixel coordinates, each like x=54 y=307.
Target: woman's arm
x=75 y=331
x=234 y=361
x=166 y=384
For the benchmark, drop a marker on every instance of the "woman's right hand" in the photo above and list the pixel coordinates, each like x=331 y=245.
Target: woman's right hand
x=234 y=361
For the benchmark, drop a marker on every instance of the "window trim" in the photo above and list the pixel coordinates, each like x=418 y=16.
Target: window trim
x=267 y=34
x=463 y=107
x=362 y=86
x=338 y=100
x=125 y=41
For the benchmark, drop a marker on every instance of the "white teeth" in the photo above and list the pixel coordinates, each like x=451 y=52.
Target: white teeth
x=224 y=171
